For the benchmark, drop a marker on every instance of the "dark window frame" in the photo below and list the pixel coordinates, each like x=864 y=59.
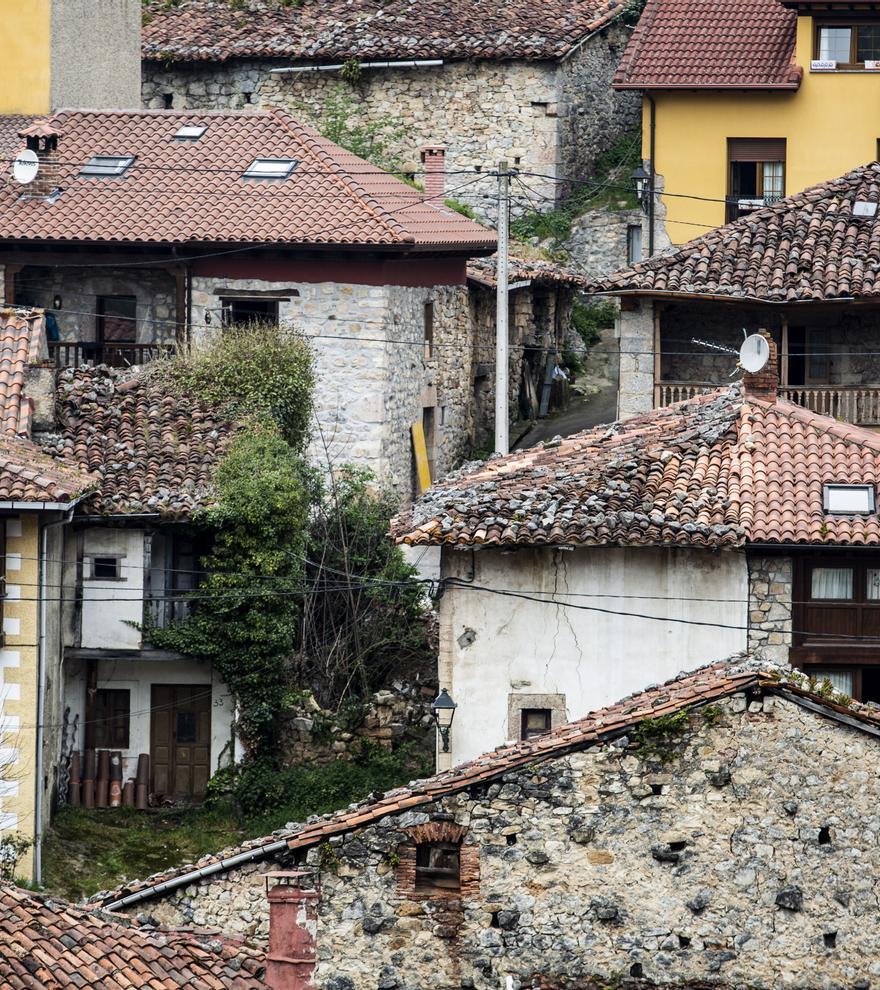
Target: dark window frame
x=93 y=559
x=227 y=303
x=845 y=22
x=428 y=323
x=524 y=732
x=434 y=878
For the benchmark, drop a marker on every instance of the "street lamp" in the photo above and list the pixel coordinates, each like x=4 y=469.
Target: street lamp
x=641 y=177
x=443 y=710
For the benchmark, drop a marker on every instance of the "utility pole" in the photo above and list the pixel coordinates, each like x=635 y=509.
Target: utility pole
x=502 y=439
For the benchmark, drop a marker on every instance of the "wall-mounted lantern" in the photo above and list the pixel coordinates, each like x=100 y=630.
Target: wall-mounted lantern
x=443 y=710
x=641 y=178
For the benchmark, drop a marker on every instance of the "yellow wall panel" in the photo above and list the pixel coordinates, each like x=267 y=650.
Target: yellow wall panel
x=25 y=68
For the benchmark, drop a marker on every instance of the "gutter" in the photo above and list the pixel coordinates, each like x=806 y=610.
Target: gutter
x=721 y=297
x=43 y=506
x=420 y=63
x=194 y=875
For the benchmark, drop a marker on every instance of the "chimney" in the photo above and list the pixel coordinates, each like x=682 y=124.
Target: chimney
x=434 y=164
x=293 y=924
x=42 y=137
x=764 y=384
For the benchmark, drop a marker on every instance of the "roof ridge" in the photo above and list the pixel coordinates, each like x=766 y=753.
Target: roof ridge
x=344 y=177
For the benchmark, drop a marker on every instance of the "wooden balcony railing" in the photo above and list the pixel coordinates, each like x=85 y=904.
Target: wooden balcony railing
x=70 y=353
x=850 y=403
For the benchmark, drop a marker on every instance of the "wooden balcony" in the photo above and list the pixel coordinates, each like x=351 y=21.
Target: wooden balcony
x=70 y=353
x=851 y=403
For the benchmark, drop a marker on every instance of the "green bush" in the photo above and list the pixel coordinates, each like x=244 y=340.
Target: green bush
x=590 y=319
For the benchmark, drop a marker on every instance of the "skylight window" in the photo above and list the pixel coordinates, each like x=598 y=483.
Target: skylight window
x=270 y=168
x=849 y=500
x=103 y=165
x=190 y=132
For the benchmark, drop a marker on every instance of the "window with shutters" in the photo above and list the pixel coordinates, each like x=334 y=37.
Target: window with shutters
x=756 y=174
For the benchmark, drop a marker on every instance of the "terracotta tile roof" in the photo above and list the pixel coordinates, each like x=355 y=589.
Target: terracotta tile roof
x=193 y=191
x=335 y=30
x=707 y=44
x=808 y=247
x=720 y=470
x=540 y=272
x=702 y=686
x=26 y=473
x=47 y=944
x=153 y=452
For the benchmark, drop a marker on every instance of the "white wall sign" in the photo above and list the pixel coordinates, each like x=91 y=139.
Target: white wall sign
x=823 y=65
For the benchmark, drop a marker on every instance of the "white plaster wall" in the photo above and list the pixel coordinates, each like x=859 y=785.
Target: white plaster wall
x=138 y=677
x=494 y=645
x=106 y=622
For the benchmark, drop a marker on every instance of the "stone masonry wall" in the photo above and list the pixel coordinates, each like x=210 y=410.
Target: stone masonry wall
x=598 y=242
x=770 y=608
x=373 y=379
x=636 y=333
x=544 y=118
x=743 y=852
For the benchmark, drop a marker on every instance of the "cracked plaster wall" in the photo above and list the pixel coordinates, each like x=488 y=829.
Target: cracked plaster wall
x=742 y=853
x=590 y=657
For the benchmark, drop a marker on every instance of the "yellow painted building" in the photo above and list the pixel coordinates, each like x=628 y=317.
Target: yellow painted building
x=69 y=53
x=764 y=108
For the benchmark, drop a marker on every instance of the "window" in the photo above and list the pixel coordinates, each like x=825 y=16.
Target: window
x=106 y=165
x=106 y=569
x=186 y=730
x=428 y=319
x=835 y=583
x=190 y=132
x=250 y=312
x=851 y=46
x=854 y=500
x=116 y=321
x=112 y=717
x=756 y=178
x=535 y=722
x=270 y=168
x=633 y=243
x=438 y=866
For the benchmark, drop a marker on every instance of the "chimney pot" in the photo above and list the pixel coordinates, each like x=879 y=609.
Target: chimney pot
x=764 y=384
x=42 y=137
x=434 y=163
x=293 y=919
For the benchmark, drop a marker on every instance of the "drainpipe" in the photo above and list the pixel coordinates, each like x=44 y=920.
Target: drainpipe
x=41 y=694
x=652 y=174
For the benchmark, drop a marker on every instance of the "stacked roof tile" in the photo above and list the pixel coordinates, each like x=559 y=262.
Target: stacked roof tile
x=808 y=247
x=51 y=945
x=151 y=451
x=194 y=191
x=706 y=44
x=335 y=30
x=538 y=271
x=700 y=687
x=720 y=470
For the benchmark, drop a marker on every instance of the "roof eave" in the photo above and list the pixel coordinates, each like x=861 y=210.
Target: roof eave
x=789 y=87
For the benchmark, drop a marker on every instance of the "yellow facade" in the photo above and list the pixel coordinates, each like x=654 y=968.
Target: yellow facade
x=829 y=125
x=18 y=682
x=25 y=68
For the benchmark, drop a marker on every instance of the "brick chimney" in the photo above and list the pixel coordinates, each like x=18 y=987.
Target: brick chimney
x=42 y=137
x=764 y=384
x=434 y=164
x=293 y=922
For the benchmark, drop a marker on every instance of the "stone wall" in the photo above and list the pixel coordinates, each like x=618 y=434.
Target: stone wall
x=543 y=118
x=743 y=852
x=400 y=713
x=770 y=608
x=598 y=242
x=373 y=377
x=636 y=334
x=79 y=291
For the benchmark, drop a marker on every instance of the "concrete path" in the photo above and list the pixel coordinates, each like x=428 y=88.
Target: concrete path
x=581 y=414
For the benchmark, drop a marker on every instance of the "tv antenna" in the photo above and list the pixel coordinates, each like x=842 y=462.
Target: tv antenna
x=25 y=166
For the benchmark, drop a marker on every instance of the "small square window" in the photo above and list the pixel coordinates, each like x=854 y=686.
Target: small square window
x=853 y=500
x=832 y=583
x=438 y=866
x=107 y=165
x=270 y=168
x=190 y=132
x=106 y=569
x=535 y=722
x=186 y=727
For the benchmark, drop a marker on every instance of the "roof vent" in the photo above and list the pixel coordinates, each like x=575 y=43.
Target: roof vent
x=106 y=165
x=190 y=132
x=849 y=500
x=270 y=168
x=862 y=208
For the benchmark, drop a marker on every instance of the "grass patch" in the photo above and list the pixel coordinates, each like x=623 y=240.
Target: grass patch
x=88 y=851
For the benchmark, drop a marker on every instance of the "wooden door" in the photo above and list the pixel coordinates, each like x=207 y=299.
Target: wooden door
x=180 y=740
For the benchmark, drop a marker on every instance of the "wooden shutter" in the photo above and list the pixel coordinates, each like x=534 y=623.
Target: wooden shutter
x=756 y=149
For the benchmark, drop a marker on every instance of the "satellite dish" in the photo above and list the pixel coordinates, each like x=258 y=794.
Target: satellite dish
x=25 y=166
x=754 y=353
